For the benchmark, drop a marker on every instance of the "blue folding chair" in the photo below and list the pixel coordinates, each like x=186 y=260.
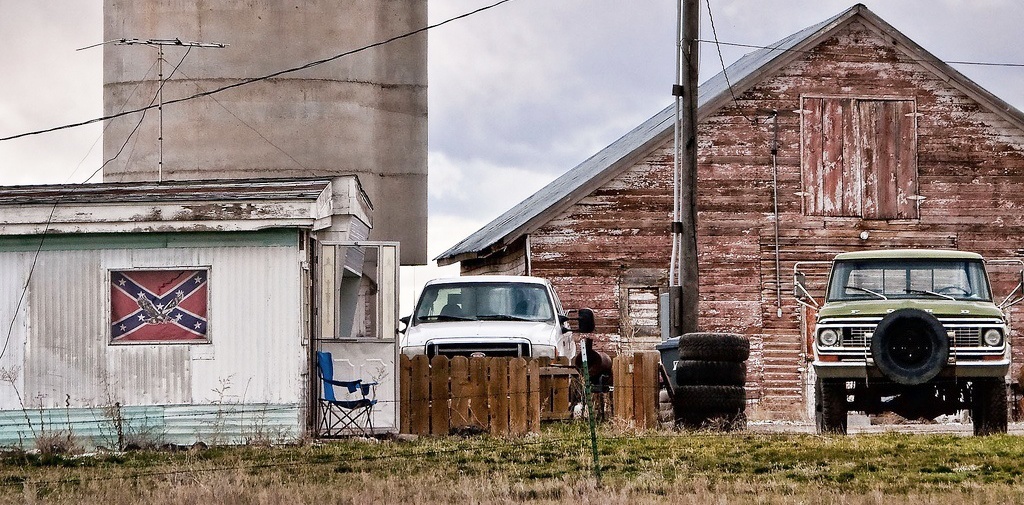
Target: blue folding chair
x=344 y=417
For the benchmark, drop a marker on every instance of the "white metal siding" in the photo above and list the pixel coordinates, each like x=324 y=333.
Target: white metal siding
x=255 y=354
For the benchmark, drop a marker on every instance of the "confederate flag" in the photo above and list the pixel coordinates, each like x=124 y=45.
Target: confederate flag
x=158 y=305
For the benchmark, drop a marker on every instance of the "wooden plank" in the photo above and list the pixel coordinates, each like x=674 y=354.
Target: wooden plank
x=546 y=388
x=518 y=394
x=622 y=378
x=497 y=393
x=832 y=164
x=533 y=402
x=853 y=188
x=636 y=386
x=440 y=421
x=461 y=392
x=865 y=146
x=812 y=154
x=419 y=403
x=560 y=407
x=650 y=387
x=478 y=405
x=885 y=158
x=905 y=136
x=404 y=393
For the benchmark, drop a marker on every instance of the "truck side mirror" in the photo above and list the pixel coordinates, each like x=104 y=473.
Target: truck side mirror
x=584 y=320
x=799 y=291
x=404 y=320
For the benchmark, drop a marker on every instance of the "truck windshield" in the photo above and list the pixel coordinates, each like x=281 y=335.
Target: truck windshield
x=909 y=278
x=502 y=301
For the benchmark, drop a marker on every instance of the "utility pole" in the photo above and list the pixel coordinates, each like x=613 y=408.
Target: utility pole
x=684 y=292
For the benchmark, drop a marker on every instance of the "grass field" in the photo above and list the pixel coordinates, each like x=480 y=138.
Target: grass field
x=554 y=467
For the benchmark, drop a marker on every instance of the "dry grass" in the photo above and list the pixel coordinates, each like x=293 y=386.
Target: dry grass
x=689 y=468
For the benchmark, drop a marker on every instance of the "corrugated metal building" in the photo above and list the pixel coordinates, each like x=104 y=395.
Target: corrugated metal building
x=224 y=352
x=874 y=143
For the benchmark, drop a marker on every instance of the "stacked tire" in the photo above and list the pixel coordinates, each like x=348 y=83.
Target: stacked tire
x=710 y=377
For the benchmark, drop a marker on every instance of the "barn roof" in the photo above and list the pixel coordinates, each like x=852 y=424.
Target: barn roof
x=746 y=72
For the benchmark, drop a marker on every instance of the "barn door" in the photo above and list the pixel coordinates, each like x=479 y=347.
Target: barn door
x=355 y=318
x=859 y=157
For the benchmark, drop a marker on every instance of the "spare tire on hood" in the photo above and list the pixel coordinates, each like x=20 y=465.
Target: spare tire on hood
x=910 y=346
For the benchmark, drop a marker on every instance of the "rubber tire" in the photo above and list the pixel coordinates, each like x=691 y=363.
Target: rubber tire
x=891 y=335
x=830 y=409
x=691 y=372
x=714 y=347
x=710 y=399
x=988 y=410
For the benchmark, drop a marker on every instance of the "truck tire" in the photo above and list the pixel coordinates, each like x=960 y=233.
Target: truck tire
x=910 y=346
x=691 y=372
x=988 y=407
x=830 y=406
x=714 y=347
x=705 y=400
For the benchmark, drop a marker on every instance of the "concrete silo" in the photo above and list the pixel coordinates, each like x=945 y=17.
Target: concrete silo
x=363 y=114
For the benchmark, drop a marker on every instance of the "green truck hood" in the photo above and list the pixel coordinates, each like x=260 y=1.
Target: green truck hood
x=958 y=308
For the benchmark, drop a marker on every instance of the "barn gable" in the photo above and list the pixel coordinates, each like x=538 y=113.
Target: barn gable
x=873 y=143
x=568 y=189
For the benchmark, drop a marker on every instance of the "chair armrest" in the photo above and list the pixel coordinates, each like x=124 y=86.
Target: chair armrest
x=352 y=385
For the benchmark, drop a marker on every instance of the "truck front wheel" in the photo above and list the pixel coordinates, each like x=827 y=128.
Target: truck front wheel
x=830 y=406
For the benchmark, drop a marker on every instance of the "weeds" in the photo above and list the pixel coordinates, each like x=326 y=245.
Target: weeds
x=553 y=467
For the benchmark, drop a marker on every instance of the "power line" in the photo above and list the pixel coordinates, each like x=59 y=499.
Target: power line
x=251 y=80
x=721 y=59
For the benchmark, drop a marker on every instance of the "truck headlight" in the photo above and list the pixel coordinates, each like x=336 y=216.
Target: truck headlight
x=993 y=337
x=828 y=337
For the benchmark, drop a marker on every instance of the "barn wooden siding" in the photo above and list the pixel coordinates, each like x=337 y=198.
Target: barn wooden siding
x=969 y=173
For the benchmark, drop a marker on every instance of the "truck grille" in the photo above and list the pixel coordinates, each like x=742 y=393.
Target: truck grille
x=503 y=349
x=860 y=336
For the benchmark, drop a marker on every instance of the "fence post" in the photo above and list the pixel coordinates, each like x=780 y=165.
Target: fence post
x=419 y=402
x=498 y=396
x=404 y=394
x=533 y=402
x=439 y=395
x=461 y=393
x=479 y=408
x=518 y=394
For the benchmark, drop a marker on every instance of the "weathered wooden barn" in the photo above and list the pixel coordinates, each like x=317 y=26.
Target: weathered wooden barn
x=175 y=312
x=846 y=135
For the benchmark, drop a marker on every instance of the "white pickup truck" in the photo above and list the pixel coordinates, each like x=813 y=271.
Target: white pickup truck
x=491 y=315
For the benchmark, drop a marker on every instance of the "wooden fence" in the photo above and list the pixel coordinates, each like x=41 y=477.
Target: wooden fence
x=511 y=396
x=635 y=388
x=501 y=396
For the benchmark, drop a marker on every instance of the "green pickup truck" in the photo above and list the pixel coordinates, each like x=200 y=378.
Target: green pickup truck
x=913 y=332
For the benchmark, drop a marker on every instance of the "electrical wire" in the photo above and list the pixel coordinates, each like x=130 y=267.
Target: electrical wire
x=251 y=127
x=53 y=210
x=122 y=113
x=251 y=80
x=721 y=59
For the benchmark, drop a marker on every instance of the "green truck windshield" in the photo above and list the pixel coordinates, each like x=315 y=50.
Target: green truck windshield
x=909 y=278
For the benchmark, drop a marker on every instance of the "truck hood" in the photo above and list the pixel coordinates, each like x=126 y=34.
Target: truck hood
x=949 y=308
x=531 y=330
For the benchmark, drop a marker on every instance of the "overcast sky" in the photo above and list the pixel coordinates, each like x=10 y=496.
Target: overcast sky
x=517 y=94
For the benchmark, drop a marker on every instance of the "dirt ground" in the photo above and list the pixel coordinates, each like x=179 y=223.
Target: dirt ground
x=862 y=424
